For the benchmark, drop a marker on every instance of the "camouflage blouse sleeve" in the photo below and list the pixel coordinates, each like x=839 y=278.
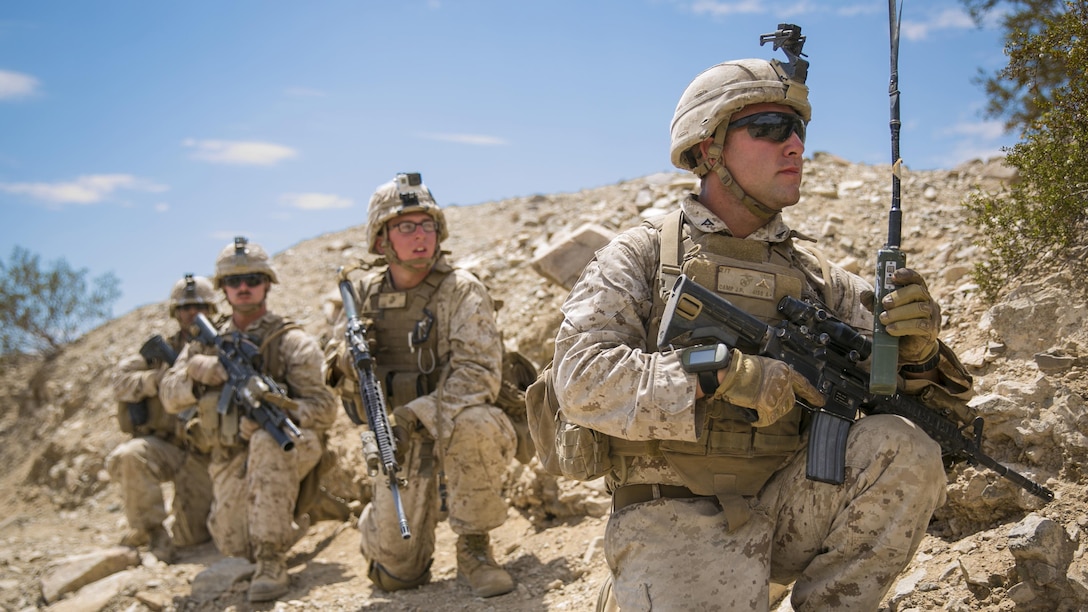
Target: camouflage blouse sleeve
x=306 y=382
x=608 y=374
x=175 y=388
x=469 y=348
x=134 y=380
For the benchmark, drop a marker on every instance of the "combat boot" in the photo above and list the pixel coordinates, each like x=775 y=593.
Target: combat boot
x=162 y=545
x=477 y=566
x=135 y=538
x=270 y=580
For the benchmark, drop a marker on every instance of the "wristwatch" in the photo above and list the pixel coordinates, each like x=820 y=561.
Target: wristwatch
x=705 y=361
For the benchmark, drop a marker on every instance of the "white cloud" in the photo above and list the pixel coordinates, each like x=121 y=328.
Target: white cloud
x=985 y=130
x=243 y=153
x=162 y=207
x=718 y=9
x=88 y=189
x=316 y=201
x=948 y=19
x=16 y=85
x=471 y=139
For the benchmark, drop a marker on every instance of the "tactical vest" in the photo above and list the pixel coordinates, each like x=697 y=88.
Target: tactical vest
x=218 y=433
x=405 y=343
x=730 y=457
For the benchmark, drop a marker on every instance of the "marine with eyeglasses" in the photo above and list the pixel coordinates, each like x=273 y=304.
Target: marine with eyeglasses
x=706 y=446
x=437 y=353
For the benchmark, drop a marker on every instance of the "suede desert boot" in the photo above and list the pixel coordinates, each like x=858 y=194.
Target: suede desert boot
x=477 y=566
x=270 y=580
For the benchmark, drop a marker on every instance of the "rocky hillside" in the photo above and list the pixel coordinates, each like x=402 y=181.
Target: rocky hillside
x=991 y=547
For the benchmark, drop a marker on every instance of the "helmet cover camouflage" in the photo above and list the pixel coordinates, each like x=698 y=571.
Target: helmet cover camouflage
x=243 y=257
x=404 y=194
x=193 y=290
x=718 y=92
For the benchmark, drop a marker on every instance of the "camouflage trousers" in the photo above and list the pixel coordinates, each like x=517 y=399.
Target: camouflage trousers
x=842 y=544
x=141 y=464
x=479 y=451
x=255 y=493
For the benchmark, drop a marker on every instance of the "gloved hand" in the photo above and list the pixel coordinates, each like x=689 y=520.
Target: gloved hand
x=207 y=369
x=404 y=424
x=913 y=316
x=346 y=364
x=768 y=386
x=149 y=382
x=247 y=427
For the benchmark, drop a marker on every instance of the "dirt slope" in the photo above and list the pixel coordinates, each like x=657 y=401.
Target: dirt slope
x=57 y=424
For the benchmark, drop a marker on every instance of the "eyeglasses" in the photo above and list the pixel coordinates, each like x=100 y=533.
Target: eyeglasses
x=253 y=280
x=200 y=307
x=409 y=227
x=773 y=126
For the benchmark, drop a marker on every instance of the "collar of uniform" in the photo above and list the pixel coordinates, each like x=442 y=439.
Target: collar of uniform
x=265 y=320
x=700 y=216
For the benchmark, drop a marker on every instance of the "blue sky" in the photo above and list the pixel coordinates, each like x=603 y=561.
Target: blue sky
x=139 y=137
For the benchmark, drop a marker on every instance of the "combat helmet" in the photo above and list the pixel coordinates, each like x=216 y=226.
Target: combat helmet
x=243 y=257
x=405 y=194
x=711 y=99
x=193 y=290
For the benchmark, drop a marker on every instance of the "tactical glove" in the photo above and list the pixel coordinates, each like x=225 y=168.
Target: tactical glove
x=206 y=369
x=346 y=364
x=404 y=424
x=149 y=383
x=247 y=427
x=768 y=386
x=913 y=316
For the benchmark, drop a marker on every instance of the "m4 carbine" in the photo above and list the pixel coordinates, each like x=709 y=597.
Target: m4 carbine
x=256 y=394
x=826 y=352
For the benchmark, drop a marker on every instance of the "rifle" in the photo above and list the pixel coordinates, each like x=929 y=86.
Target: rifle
x=247 y=388
x=379 y=445
x=882 y=373
x=155 y=349
x=826 y=352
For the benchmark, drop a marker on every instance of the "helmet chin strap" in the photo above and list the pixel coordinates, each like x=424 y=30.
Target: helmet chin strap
x=416 y=263
x=713 y=161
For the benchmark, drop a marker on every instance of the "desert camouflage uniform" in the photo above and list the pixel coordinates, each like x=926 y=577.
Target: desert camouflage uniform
x=461 y=430
x=842 y=544
x=150 y=458
x=256 y=484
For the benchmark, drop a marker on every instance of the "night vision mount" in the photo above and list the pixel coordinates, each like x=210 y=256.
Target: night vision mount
x=788 y=37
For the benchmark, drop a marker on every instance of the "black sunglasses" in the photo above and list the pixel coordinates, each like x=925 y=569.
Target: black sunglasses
x=252 y=280
x=772 y=125
x=200 y=307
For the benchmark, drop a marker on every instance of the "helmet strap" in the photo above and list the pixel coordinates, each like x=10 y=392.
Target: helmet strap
x=713 y=161
x=418 y=263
